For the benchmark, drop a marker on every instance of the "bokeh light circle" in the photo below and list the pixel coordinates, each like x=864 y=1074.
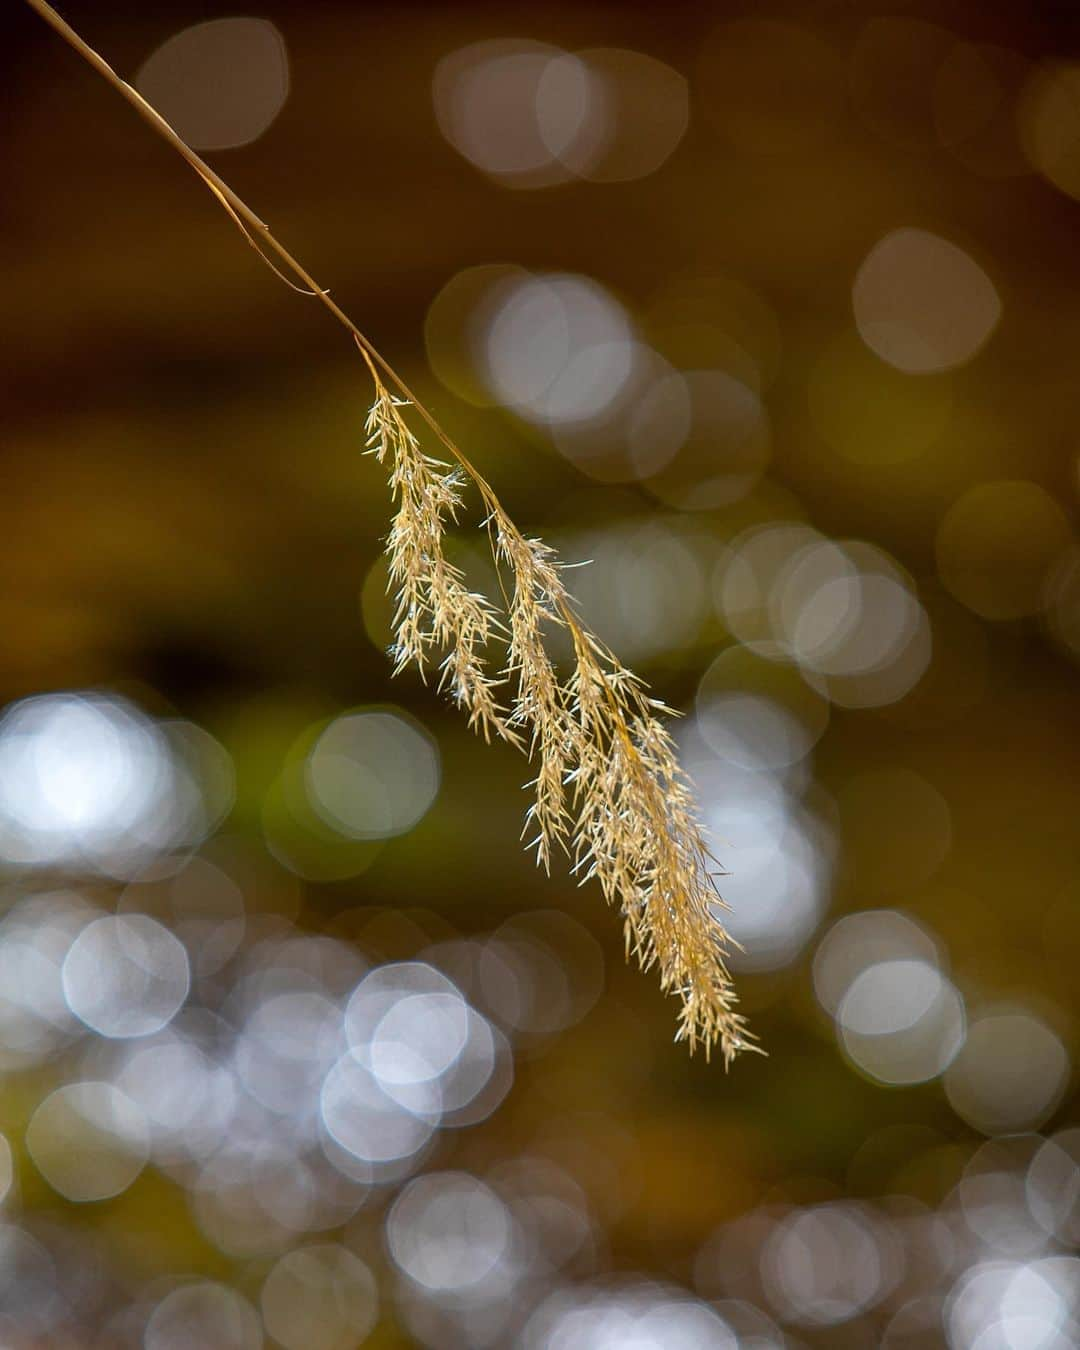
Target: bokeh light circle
x=922 y=304
x=824 y=1265
x=448 y=1231
x=320 y=1297
x=373 y=775
x=126 y=975
x=512 y=106
x=530 y=114
x=220 y=84
x=558 y=348
x=203 y=1314
x=1049 y=118
x=996 y=545
x=85 y=778
x=1010 y=1075
x=902 y=1021
x=89 y=1140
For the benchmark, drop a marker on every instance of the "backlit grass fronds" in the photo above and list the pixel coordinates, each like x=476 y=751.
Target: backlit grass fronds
x=436 y=612
x=608 y=788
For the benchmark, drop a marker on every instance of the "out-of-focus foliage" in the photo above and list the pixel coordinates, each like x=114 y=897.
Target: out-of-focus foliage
x=775 y=321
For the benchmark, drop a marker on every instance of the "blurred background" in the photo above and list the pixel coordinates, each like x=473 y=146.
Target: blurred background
x=772 y=315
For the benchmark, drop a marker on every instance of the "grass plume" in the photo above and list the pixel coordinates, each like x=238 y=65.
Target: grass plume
x=608 y=789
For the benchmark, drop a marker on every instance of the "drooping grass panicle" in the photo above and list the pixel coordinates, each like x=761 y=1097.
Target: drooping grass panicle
x=541 y=703
x=608 y=788
x=436 y=612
